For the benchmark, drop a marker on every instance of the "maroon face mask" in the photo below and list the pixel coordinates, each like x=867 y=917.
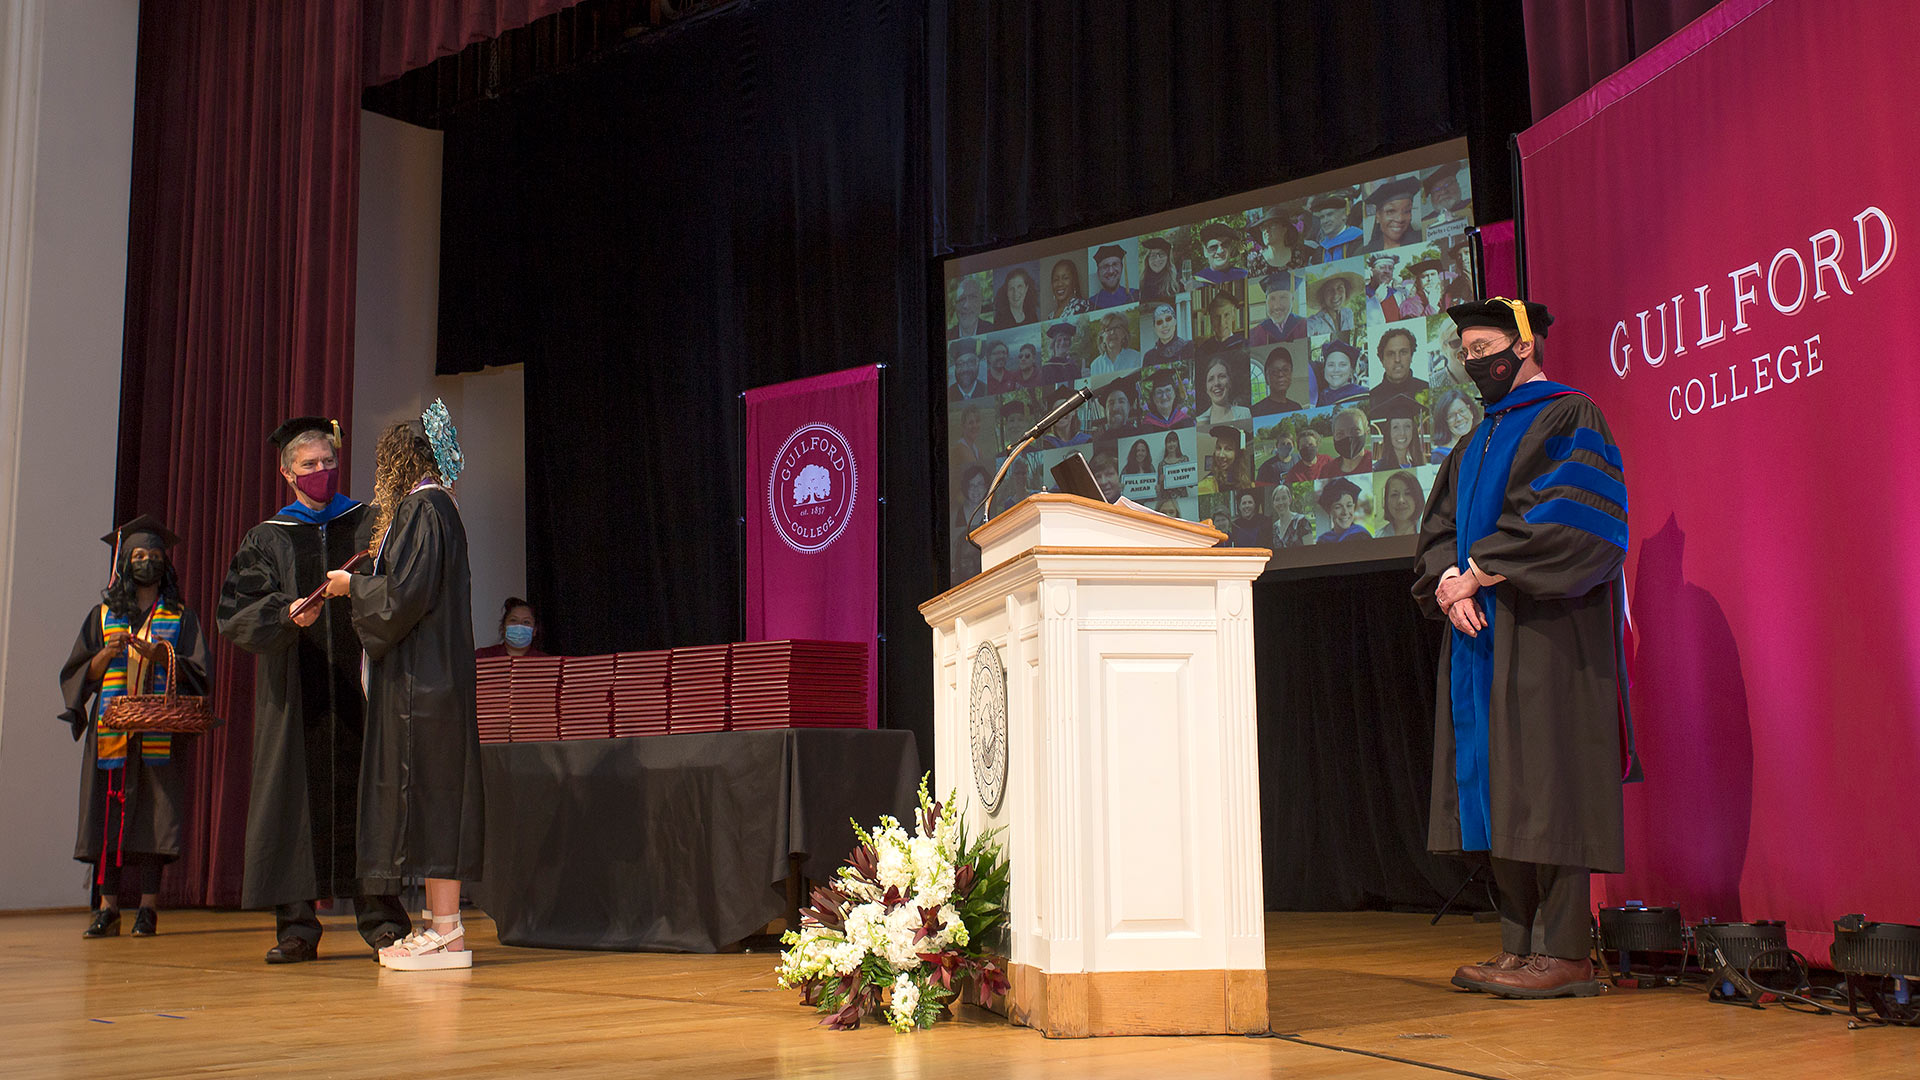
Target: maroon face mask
x=321 y=485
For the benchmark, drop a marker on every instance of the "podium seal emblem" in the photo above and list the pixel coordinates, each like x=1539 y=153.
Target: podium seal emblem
x=988 y=726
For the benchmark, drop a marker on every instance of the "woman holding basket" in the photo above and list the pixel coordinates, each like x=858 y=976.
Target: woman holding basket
x=131 y=786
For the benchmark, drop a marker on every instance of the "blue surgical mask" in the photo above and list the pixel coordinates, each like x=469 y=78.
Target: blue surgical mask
x=519 y=636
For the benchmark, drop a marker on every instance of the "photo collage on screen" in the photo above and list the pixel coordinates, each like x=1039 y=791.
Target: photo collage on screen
x=1286 y=373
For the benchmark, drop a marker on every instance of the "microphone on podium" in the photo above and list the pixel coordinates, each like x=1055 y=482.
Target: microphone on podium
x=1071 y=402
x=1079 y=397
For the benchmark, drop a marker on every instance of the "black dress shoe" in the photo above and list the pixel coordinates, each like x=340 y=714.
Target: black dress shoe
x=106 y=923
x=293 y=950
x=383 y=939
x=146 y=922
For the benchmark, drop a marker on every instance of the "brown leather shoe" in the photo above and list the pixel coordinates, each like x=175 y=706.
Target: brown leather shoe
x=1544 y=977
x=1472 y=976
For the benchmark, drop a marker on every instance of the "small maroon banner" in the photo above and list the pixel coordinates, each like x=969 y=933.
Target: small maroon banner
x=813 y=533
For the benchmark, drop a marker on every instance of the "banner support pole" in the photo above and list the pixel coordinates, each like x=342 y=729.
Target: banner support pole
x=740 y=524
x=1519 y=217
x=880 y=531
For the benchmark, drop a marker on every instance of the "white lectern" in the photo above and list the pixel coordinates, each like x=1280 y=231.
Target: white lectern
x=1131 y=800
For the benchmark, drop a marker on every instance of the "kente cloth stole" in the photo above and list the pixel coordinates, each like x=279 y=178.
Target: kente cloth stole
x=131 y=669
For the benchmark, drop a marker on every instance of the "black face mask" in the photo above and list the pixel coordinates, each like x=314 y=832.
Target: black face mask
x=146 y=571
x=1493 y=373
x=1349 y=446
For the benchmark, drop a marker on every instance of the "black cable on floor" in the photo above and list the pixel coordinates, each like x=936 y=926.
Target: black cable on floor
x=1372 y=1054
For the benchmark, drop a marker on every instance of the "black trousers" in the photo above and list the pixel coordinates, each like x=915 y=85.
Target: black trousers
x=133 y=865
x=1552 y=901
x=371 y=915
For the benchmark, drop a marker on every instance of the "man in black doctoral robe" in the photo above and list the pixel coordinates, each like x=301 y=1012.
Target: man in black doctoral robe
x=309 y=709
x=1521 y=550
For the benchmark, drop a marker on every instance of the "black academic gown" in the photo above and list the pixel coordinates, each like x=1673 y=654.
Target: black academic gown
x=422 y=807
x=156 y=794
x=1556 y=715
x=309 y=713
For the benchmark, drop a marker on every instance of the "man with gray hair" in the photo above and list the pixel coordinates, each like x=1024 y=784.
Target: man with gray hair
x=968 y=321
x=309 y=715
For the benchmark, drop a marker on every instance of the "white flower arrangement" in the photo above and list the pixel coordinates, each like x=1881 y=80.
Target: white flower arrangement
x=902 y=925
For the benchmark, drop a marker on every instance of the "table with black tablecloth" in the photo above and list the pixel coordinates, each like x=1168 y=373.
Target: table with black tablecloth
x=675 y=842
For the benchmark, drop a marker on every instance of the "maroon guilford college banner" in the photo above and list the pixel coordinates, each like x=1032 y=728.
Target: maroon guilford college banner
x=813 y=535
x=1717 y=230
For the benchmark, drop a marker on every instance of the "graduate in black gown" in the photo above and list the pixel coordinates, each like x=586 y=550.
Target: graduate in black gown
x=1521 y=550
x=309 y=712
x=422 y=811
x=131 y=785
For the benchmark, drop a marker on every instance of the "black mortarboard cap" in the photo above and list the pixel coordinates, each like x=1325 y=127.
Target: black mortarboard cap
x=1160 y=242
x=1336 y=488
x=1398 y=407
x=1335 y=345
x=1327 y=202
x=1226 y=433
x=1215 y=230
x=1110 y=251
x=1164 y=377
x=1497 y=314
x=144 y=525
x=300 y=424
x=1404 y=188
x=1061 y=328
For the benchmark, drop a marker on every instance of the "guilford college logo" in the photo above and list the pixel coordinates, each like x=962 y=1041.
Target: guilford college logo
x=811 y=488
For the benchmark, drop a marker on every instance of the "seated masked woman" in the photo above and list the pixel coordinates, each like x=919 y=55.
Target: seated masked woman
x=132 y=789
x=519 y=632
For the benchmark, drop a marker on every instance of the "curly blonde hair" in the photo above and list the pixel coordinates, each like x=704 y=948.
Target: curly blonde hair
x=401 y=459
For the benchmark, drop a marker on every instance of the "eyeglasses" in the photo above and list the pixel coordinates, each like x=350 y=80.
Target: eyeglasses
x=1487 y=348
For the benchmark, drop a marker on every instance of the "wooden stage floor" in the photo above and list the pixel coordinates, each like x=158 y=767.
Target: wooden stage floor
x=197 y=1001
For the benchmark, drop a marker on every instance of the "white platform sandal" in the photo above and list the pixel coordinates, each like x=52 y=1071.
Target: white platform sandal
x=426 y=950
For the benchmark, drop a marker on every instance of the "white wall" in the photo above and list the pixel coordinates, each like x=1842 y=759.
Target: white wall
x=66 y=140
x=394 y=339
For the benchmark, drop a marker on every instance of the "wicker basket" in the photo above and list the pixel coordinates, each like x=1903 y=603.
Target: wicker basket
x=169 y=713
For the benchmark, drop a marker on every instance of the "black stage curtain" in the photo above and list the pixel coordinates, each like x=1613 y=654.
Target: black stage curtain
x=1063 y=114
x=766 y=192
x=732 y=203
x=1345 y=681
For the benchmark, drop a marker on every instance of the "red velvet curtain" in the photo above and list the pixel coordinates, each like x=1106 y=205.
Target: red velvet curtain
x=1573 y=44
x=405 y=34
x=240 y=298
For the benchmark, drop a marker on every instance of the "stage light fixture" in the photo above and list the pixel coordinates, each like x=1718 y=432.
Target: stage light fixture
x=1652 y=932
x=1757 y=945
x=1740 y=956
x=1881 y=962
